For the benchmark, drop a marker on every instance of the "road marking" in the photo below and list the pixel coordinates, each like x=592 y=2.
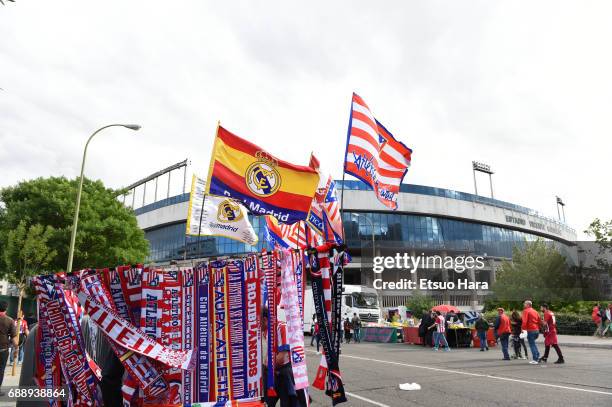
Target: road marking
x=437 y=369
x=376 y=403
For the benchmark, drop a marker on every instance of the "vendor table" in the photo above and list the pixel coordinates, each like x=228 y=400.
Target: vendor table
x=386 y=334
x=459 y=337
x=411 y=335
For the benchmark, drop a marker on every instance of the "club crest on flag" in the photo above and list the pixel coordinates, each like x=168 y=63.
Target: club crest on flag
x=229 y=212
x=261 y=177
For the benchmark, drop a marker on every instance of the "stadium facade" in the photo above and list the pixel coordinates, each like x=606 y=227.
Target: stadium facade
x=430 y=221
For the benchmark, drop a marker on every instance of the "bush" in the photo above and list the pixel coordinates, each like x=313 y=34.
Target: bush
x=574 y=324
x=419 y=303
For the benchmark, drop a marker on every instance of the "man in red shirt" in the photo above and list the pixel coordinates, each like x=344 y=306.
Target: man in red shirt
x=503 y=332
x=550 y=335
x=531 y=325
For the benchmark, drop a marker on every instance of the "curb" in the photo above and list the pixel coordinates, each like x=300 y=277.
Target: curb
x=587 y=345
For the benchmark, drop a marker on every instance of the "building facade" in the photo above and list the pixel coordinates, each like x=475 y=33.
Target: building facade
x=430 y=221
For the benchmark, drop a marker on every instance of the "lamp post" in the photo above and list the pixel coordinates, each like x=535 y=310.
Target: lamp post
x=562 y=205
x=78 y=200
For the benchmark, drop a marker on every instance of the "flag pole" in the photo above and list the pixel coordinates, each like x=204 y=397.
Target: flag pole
x=207 y=186
x=348 y=136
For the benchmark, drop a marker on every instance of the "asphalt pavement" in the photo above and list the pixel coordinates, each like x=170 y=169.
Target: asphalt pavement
x=372 y=373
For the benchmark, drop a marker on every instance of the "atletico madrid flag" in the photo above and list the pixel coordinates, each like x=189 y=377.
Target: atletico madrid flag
x=373 y=155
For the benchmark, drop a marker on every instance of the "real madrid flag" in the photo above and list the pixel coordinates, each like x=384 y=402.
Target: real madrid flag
x=220 y=217
x=267 y=185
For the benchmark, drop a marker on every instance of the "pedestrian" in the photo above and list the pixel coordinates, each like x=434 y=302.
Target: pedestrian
x=284 y=382
x=503 y=332
x=23 y=332
x=608 y=313
x=312 y=329
x=356 y=321
x=531 y=325
x=596 y=317
x=482 y=327
x=606 y=320
x=517 y=341
x=550 y=335
x=440 y=332
x=424 y=331
x=8 y=339
x=317 y=335
x=347 y=330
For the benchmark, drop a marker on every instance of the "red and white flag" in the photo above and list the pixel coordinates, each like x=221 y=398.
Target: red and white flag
x=373 y=155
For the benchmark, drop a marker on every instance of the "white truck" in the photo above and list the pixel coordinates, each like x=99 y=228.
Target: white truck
x=356 y=299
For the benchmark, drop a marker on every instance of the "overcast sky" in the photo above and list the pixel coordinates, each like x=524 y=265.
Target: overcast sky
x=524 y=86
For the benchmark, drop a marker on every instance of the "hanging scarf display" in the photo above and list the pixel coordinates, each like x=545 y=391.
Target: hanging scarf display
x=151 y=302
x=321 y=293
x=131 y=285
x=140 y=368
x=220 y=332
x=237 y=328
x=204 y=338
x=295 y=330
x=48 y=369
x=128 y=336
x=269 y=268
x=171 y=329
x=188 y=301
x=129 y=389
x=336 y=262
x=252 y=288
x=67 y=339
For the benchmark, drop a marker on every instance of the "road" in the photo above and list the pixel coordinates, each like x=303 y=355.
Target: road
x=372 y=373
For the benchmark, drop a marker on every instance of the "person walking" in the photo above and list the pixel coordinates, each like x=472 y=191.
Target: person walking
x=347 y=330
x=608 y=323
x=550 y=335
x=23 y=332
x=531 y=325
x=8 y=339
x=356 y=321
x=517 y=341
x=503 y=332
x=596 y=317
x=440 y=332
x=312 y=329
x=482 y=327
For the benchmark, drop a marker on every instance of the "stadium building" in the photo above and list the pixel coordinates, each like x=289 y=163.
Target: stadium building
x=430 y=221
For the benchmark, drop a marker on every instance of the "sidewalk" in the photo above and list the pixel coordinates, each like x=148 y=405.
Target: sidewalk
x=575 y=341
x=10 y=381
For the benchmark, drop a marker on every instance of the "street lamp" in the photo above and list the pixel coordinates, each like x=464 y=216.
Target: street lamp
x=134 y=127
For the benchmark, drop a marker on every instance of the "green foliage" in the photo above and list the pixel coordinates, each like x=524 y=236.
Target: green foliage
x=602 y=232
x=419 y=304
x=537 y=272
x=27 y=252
x=107 y=234
x=574 y=324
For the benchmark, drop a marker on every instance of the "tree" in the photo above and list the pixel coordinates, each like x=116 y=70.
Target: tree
x=419 y=304
x=107 y=235
x=27 y=254
x=602 y=232
x=537 y=272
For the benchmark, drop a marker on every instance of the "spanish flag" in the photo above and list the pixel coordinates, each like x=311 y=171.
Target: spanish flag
x=267 y=185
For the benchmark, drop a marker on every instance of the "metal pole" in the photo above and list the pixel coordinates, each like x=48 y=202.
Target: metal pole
x=144 y=194
x=475 y=187
x=155 y=199
x=78 y=200
x=184 y=178
x=558 y=213
x=563 y=210
x=133 y=197
x=168 y=194
x=491 y=183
